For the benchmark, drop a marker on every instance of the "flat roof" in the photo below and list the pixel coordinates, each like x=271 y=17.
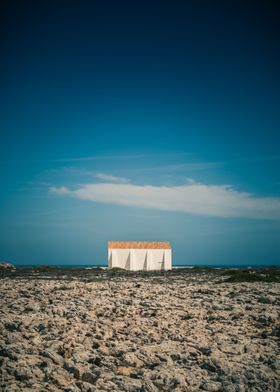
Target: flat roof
x=138 y=245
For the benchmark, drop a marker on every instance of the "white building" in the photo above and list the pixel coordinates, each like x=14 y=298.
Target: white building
x=136 y=256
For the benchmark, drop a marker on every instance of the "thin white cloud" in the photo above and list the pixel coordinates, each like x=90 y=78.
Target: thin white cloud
x=59 y=191
x=194 y=166
x=190 y=181
x=110 y=178
x=160 y=169
x=256 y=158
x=123 y=156
x=213 y=200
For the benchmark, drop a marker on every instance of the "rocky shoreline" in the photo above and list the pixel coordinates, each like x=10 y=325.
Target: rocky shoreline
x=178 y=331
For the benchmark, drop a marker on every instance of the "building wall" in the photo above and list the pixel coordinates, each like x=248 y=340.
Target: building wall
x=140 y=259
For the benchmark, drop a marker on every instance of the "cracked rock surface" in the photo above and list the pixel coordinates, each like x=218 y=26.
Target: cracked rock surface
x=139 y=334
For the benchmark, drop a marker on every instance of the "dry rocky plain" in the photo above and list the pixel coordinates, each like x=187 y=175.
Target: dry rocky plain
x=92 y=330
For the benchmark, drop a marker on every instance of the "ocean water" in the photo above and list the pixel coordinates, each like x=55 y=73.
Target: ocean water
x=239 y=266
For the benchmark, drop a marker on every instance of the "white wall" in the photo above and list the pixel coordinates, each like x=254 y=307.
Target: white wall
x=140 y=259
x=119 y=258
x=168 y=259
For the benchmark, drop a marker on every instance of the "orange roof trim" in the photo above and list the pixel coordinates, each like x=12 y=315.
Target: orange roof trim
x=138 y=245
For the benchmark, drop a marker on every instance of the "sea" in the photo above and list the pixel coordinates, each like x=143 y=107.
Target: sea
x=214 y=266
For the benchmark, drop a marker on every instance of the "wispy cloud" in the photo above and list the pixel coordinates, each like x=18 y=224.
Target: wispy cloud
x=190 y=180
x=171 y=168
x=213 y=200
x=110 y=178
x=59 y=190
x=122 y=156
x=193 y=166
x=256 y=158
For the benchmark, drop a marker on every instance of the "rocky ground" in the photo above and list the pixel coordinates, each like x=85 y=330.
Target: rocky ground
x=139 y=333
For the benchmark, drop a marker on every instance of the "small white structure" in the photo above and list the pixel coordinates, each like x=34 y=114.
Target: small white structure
x=137 y=256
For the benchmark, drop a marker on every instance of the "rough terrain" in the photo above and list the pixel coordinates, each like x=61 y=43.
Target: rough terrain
x=172 y=332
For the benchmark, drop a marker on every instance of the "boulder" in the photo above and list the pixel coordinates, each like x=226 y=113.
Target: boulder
x=7 y=266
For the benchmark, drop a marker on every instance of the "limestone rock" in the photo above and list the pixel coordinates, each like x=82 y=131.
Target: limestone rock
x=135 y=333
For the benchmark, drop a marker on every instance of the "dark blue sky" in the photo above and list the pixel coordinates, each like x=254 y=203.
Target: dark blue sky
x=140 y=121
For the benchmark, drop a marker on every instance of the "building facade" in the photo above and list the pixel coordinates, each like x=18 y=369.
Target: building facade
x=140 y=256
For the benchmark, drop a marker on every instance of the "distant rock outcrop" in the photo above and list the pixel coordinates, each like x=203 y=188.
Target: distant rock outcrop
x=7 y=266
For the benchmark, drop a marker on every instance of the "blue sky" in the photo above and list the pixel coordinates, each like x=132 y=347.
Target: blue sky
x=147 y=121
